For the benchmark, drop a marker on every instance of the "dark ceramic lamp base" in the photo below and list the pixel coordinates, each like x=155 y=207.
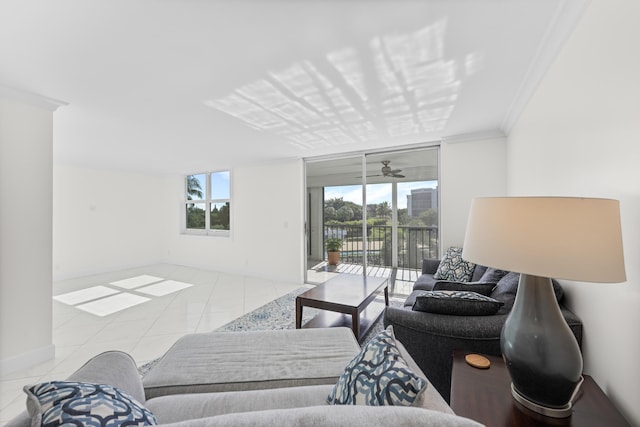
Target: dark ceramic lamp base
x=562 y=412
x=540 y=351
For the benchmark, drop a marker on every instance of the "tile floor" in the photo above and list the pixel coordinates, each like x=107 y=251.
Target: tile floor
x=83 y=328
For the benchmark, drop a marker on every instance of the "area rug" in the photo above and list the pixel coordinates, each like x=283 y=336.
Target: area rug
x=279 y=314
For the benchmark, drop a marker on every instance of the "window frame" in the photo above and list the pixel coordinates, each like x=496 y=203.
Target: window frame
x=208 y=202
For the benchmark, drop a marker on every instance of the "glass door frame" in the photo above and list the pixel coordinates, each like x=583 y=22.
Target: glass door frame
x=364 y=156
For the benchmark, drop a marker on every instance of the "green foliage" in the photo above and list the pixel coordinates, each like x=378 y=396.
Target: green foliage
x=194 y=189
x=333 y=244
x=344 y=214
x=337 y=209
x=195 y=217
x=429 y=217
x=330 y=214
x=219 y=219
x=338 y=212
x=377 y=221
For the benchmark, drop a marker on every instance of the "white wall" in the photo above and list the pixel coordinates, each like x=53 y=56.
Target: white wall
x=580 y=135
x=107 y=220
x=267 y=225
x=468 y=169
x=315 y=228
x=25 y=230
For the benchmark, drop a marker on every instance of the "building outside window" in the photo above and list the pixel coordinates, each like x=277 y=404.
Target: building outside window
x=208 y=203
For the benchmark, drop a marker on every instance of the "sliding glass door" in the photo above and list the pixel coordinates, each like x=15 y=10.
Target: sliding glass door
x=334 y=211
x=385 y=229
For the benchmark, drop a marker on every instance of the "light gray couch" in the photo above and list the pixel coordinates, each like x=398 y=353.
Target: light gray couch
x=255 y=403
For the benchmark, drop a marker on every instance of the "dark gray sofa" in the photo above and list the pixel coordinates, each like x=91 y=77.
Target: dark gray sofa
x=431 y=338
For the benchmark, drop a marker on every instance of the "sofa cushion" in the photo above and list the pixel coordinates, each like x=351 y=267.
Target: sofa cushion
x=492 y=275
x=505 y=291
x=334 y=416
x=460 y=303
x=480 y=288
x=378 y=376
x=78 y=403
x=478 y=272
x=177 y=407
x=200 y=363
x=424 y=283
x=507 y=287
x=453 y=267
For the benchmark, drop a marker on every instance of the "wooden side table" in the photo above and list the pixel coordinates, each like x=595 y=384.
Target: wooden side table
x=484 y=395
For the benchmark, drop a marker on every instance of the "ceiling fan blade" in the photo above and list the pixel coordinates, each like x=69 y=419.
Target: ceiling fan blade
x=395 y=175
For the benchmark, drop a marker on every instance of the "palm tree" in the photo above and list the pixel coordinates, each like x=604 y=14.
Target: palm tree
x=193 y=188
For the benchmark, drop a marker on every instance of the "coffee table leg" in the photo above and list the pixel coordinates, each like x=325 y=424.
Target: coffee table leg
x=355 y=323
x=298 y=314
x=386 y=295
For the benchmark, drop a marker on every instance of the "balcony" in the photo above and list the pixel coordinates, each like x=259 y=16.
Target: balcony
x=414 y=243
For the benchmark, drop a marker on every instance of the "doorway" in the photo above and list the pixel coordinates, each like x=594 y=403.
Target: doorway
x=382 y=206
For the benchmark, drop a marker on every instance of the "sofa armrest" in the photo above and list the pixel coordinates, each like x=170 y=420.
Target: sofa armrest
x=430 y=266
x=115 y=368
x=431 y=338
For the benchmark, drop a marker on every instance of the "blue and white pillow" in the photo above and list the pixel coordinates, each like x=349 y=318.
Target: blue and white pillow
x=58 y=403
x=453 y=267
x=378 y=376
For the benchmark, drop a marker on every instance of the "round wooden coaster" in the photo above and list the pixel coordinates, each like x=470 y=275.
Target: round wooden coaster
x=477 y=361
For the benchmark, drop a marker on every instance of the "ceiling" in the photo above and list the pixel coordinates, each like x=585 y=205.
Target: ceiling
x=183 y=86
x=413 y=165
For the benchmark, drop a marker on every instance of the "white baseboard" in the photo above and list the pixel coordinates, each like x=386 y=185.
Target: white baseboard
x=27 y=360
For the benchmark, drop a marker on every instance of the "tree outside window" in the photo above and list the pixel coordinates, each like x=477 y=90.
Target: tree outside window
x=208 y=203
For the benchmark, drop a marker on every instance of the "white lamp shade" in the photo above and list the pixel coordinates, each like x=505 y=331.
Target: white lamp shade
x=558 y=237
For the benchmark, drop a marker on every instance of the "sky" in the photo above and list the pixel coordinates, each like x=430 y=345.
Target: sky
x=220 y=187
x=376 y=193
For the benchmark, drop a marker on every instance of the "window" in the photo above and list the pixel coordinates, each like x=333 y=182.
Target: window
x=208 y=203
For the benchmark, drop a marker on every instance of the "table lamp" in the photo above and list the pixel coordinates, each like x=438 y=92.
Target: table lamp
x=542 y=238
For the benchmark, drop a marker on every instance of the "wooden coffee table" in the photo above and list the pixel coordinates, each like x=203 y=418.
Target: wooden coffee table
x=346 y=300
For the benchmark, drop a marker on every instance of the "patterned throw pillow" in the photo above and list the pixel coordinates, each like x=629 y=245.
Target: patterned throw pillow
x=73 y=403
x=480 y=288
x=453 y=267
x=459 y=303
x=378 y=376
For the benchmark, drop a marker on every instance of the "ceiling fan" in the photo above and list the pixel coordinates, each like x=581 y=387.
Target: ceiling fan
x=387 y=171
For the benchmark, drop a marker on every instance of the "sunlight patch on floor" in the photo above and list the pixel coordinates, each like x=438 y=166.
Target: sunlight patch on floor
x=136 y=282
x=112 y=304
x=84 y=295
x=163 y=288
x=105 y=300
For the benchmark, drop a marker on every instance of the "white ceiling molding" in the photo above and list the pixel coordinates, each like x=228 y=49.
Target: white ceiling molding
x=558 y=31
x=30 y=98
x=474 y=136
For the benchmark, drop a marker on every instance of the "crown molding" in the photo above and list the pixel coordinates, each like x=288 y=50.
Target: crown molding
x=29 y=98
x=558 y=31
x=474 y=136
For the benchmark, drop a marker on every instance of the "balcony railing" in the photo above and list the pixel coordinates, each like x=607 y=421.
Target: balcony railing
x=414 y=244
